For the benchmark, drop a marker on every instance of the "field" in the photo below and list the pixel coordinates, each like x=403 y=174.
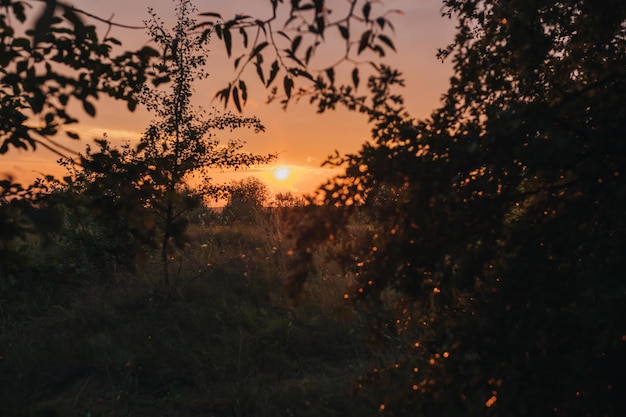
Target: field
x=225 y=341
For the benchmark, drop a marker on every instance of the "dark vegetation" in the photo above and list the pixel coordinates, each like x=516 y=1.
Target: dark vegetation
x=483 y=248
x=226 y=342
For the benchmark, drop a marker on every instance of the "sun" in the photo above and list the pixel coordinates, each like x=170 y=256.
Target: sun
x=282 y=173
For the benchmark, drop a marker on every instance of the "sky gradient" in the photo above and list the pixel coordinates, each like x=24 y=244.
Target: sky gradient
x=301 y=137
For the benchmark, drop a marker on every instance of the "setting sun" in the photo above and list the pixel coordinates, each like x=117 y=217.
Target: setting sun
x=282 y=173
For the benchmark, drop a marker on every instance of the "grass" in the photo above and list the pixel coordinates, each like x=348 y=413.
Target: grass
x=228 y=343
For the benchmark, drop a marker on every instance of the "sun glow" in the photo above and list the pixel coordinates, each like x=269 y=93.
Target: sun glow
x=282 y=173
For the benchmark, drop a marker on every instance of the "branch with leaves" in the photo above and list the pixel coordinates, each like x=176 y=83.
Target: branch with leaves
x=361 y=26
x=59 y=59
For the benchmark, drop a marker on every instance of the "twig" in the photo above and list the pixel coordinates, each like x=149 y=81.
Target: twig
x=92 y=16
x=81 y=391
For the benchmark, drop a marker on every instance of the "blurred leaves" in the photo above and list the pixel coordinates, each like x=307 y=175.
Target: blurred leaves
x=60 y=60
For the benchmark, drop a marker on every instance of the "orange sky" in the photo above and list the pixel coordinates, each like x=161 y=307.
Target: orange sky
x=302 y=137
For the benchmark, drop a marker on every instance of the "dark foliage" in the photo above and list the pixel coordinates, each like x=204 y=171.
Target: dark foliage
x=491 y=265
x=494 y=268
x=53 y=59
x=247 y=200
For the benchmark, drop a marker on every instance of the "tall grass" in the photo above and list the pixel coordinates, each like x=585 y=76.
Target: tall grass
x=227 y=343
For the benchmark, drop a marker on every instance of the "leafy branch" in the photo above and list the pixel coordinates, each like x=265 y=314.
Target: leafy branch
x=59 y=59
x=308 y=28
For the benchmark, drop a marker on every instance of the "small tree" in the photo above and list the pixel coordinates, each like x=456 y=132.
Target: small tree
x=247 y=199
x=287 y=200
x=181 y=144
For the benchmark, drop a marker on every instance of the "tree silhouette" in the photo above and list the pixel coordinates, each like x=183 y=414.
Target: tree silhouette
x=181 y=144
x=503 y=246
x=149 y=185
x=493 y=275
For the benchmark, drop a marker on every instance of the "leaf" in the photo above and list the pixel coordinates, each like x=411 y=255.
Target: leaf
x=288 y=85
x=273 y=73
x=367 y=8
x=308 y=54
x=114 y=41
x=161 y=80
x=321 y=25
x=259 y=71
x=228 y=41
x=244 y=91
x=21 y=66
x=89 y=108
x=280 y=32
x=295 y=58
x=236 y=98
x=149 y=52
x=18 y=9
x=355 y=77
x=42 y=26
x=258 y=49
x=345 y=32
x=301 y=73
x=261 y=26
x=226 y=94
x=296 y=43
x=211 y=14
x=330 y=73
x=237 y=61
x=289 y=20
x=21 y=43
x=387 y=41
x=365 y=40
x=141 y=146
x=72 y=135
x=244 y=34
x=73 y=17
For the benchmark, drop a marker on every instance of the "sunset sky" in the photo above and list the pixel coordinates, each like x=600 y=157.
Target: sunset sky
x=302 y=137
